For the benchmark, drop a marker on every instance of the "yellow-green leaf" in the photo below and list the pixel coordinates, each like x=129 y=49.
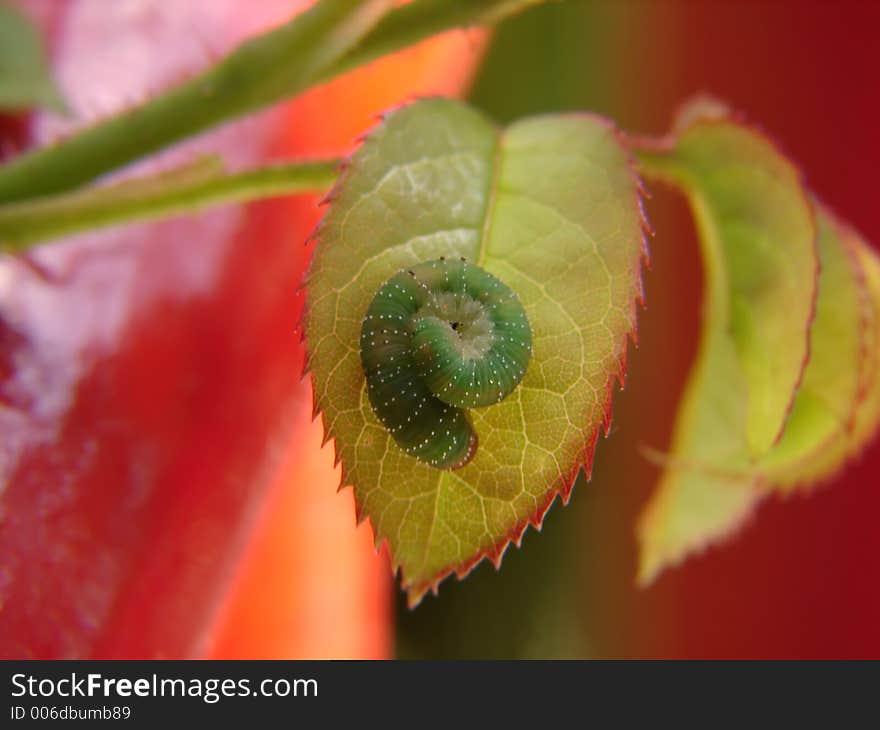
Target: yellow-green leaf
x=821 y=432
x=715 y=474
x=867 y=416
x=759 y=247
x=836 y=411
x=550 y=206
x=758 y=236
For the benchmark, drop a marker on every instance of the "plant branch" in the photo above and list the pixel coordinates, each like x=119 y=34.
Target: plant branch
x=182 y=190
x=332 y=37
x=261 y=71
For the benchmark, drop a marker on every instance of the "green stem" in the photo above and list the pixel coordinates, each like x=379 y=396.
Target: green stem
x=261 y=71
x=331 y=38
x=183 y=190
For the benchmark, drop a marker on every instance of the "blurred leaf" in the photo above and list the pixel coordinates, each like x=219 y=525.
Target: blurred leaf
x=25 y=79
x=714 y=475
x=867 y=416
x=757 y=234
x=758 y=237
x=835 y=413
x=839 y=382
x=550 y=206
x=196 y=186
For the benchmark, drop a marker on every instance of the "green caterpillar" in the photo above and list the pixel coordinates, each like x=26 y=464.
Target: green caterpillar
x=437 y=339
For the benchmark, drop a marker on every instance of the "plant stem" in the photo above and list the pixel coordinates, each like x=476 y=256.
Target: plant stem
x=261 y=71
x=332 y=37
x=183 y=190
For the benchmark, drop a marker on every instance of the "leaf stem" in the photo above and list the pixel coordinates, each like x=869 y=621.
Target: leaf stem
x=262 y=71
x=332 y=37
x=182 y=190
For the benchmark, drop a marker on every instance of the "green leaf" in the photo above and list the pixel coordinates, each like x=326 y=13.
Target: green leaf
x=550 y=206
x=835 y=413
x=25 y=80
x=332 y=37
x=821 y=432
x=867 y=418
x=202 y=184
x=758 y=240
x=714 y=477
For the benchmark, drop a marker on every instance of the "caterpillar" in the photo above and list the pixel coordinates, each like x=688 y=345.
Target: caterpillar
x=438 y=339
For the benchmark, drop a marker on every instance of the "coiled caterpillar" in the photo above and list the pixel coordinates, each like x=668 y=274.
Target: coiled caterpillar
x=437 y=339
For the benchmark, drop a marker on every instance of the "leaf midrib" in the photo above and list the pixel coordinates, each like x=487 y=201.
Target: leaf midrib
x=484 y=234
x=491 y=196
